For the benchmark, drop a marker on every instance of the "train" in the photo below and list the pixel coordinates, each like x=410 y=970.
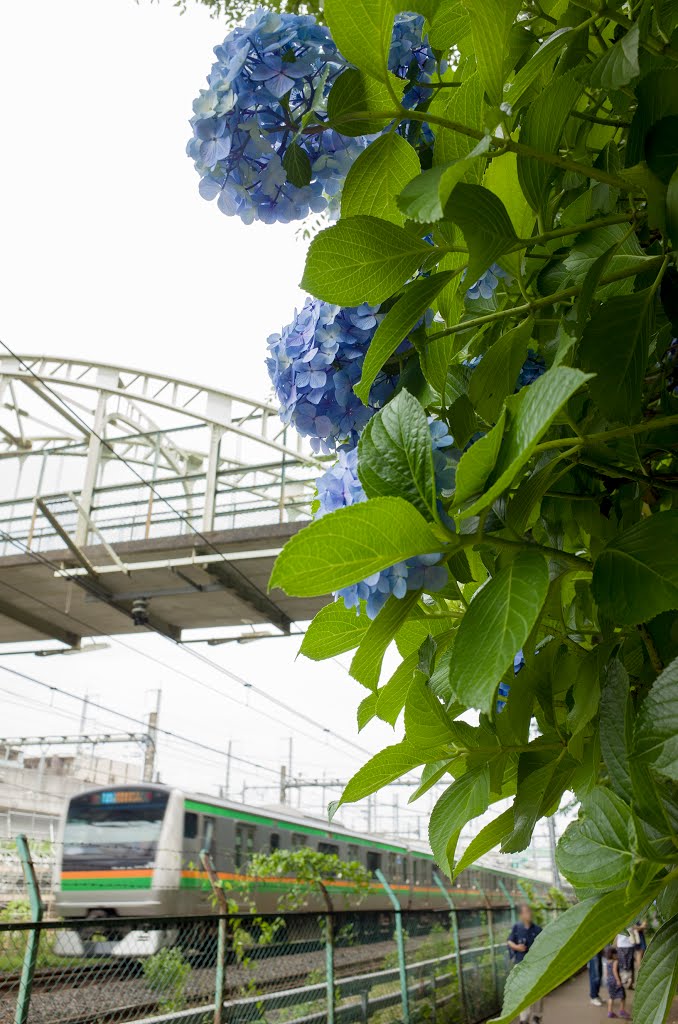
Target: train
x=134 y=852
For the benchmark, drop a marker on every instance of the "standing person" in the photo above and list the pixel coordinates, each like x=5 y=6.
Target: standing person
x=641 y=943
x=615 y=989
x=595 y=978
x=520 y=940
x=625 y=950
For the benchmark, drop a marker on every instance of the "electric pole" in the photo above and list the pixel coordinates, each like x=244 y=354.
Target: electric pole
x=152 y=733
x=227 y=786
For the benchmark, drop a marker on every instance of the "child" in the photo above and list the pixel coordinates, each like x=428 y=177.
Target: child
x=615 y=989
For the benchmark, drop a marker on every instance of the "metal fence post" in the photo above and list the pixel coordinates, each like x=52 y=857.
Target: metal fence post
x=507 y=894
x=400 y=942
x=455 y=937
x=493 y=950
x=329 y=966
x=33 y=938
x=222 y=933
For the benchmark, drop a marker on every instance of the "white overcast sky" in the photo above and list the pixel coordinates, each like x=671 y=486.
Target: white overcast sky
x=109 y=254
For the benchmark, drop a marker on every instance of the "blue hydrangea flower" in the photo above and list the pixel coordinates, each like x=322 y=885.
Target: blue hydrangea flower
x=269 y=75
x=533 y=367
x=504 y=688
x=339 y=487
x=315 y=362
x=485 y=286
x=269 y=88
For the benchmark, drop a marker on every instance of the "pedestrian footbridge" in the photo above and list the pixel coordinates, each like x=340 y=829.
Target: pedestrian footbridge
x=131 y=500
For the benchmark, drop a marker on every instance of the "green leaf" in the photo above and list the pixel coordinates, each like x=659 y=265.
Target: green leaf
x=496 y=625
x=658 y=976
x=460 y=105
x=362 y=259
x=488 y=837
x=656 y=729
x=655 y=192
x=661 y=148
x=527 y=806
x=367 y=709
x=354 y=93
x=477 y=463
x=626 y=255
x=350 y=544
x=464 y=800
x=389 y=764
x=532 y=490
x=614 y=346
x=497 y=372
x=594 y=851
x=362 y=32
x=566 y=945
x=403 y=315
x=532 y=412
x=657 y=95
x=449 y=25
x=297 y=164
x=666 y=12
x=501 y=178
x=395 y=455
x=377 y=177
x=393 y=695
x=485 y=223
x=672 y=208
x=491 y=24
x=335 y=630
x=636 y=576
x=619 y=65
x=427 y=726
x=424 y=199
x=543 y=126
x=615 y=728
x=367 y=660
x=541 y=60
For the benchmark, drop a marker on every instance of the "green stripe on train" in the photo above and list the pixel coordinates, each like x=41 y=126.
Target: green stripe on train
x=86 y=884
x=291 y=826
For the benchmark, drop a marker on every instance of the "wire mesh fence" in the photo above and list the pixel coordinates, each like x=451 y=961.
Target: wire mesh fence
x=376 y=967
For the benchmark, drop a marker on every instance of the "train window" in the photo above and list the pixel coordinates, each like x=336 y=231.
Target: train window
x=208 y=824
x=415 y=866
x=190 y=825
x=353 y=852
x=298 y=839
x=244 y=845
x=274 y=842
x=328 y=848
x=373 y=862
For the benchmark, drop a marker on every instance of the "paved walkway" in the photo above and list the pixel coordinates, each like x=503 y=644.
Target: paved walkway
x=570 y=1003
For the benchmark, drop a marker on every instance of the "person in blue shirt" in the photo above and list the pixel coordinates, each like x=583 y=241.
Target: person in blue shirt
x=520 y=940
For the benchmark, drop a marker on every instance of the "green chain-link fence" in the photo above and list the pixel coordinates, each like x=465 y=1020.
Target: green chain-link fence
x=237 y=969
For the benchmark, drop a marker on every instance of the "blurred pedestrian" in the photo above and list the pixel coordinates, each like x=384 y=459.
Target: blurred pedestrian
x=595 y=978
x=615 y=990
x=521 y=937
x=625 y=951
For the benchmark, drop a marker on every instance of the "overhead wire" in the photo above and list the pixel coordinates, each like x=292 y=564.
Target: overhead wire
x=38 y=556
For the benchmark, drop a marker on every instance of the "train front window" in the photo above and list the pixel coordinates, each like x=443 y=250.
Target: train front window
x=113 y=828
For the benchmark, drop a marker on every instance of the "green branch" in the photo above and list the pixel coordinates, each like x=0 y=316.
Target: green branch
x=547 y=300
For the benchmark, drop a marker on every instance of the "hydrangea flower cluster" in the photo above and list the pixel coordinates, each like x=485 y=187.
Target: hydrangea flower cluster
x=313 y=365
x=340 y=486
x=267 y=90
x=411 y=58
x=269 y=74
x=485 y=286
x=533 y=367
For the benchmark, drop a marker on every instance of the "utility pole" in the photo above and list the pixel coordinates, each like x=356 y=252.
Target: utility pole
x=283 y=784
x=227 y=786
x=83 y=719
x=552 y=844
x=152 y=733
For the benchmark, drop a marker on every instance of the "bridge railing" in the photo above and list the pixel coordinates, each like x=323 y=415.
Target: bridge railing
x=243 y=496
